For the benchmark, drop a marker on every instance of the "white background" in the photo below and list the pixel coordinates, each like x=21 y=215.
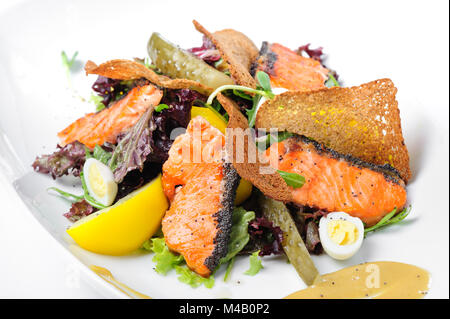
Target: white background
x=410 y=38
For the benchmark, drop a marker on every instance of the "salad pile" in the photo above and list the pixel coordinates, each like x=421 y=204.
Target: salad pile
x=203 y=154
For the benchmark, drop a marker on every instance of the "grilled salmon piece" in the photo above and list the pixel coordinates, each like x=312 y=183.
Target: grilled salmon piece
x=201 y=189
x=289 y=70
x=104 y=126
x=339 y=183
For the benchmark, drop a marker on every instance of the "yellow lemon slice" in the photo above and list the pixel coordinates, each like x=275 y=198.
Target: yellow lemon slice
x=244 y=189
x=123 y=227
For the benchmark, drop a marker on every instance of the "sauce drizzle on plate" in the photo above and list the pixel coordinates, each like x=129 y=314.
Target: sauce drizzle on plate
x=106 y=275
x=377 y=280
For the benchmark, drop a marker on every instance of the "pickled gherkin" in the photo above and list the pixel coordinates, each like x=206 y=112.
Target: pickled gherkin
x=178 y=63
x=293 y=245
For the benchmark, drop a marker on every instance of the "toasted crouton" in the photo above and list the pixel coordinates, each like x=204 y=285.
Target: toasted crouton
x=270 y=182
x=237 y=50
x=362 y=121
x=131 y=70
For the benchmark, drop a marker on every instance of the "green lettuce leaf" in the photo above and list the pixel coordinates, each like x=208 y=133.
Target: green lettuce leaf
x=239 y=236
x=189 y=277
x=255 y=264
x=164 y=259
x=99 y=154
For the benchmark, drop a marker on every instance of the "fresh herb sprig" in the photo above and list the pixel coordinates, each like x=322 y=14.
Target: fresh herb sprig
x=69 y=196
x=161 y=107
x=68 y=63
x=264 y=89
x=331 y=81
x=292 y=179
x=389 y=219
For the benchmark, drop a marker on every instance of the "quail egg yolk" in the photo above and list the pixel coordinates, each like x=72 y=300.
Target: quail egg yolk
x=342 y=232
x=96 y=180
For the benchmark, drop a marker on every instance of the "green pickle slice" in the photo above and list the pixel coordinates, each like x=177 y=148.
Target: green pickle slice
x=293 y=244
x=178 y=63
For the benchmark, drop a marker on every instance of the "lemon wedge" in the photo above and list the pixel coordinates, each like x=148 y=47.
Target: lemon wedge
x=244 y=189
x=123 y=227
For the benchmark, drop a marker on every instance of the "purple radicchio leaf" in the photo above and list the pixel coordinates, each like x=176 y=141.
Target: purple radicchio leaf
x=176 y=116
x=66 y=160
x=316 y=54
x=112 y=90
x=79 y=210
x=136 y=179
x=207 y=52
x=149 y=140
x=264 y=236
x=133 y=147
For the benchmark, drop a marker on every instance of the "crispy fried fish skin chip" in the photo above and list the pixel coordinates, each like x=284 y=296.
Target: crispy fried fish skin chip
x=362 y=121
x=289 y=70
x=129 y=70
x=246 y=159
x=237 y=50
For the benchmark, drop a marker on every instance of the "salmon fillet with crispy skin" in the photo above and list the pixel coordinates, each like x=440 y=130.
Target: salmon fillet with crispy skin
x=289 y=70
x=339 y=183
x=104 y=126
x=201 y=192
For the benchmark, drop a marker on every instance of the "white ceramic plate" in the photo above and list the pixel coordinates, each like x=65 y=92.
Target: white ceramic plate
x=35 y=104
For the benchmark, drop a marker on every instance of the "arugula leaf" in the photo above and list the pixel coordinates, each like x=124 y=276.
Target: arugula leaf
x=161 y=107
x=292 y=179
x=251 y=113
x=389 y=219
x=331 y=81
x=264 y=142
x=164 y=259
x=242 y=95
x=189 y=277
x=255 y=264
x=98 y=102
x=239 y=236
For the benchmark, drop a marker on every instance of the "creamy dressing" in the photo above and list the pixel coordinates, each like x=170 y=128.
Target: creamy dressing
x=378 y=280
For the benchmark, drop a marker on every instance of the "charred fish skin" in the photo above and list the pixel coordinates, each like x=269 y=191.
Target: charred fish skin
x=389 y=172
x=223 y=217
x=270 y=60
